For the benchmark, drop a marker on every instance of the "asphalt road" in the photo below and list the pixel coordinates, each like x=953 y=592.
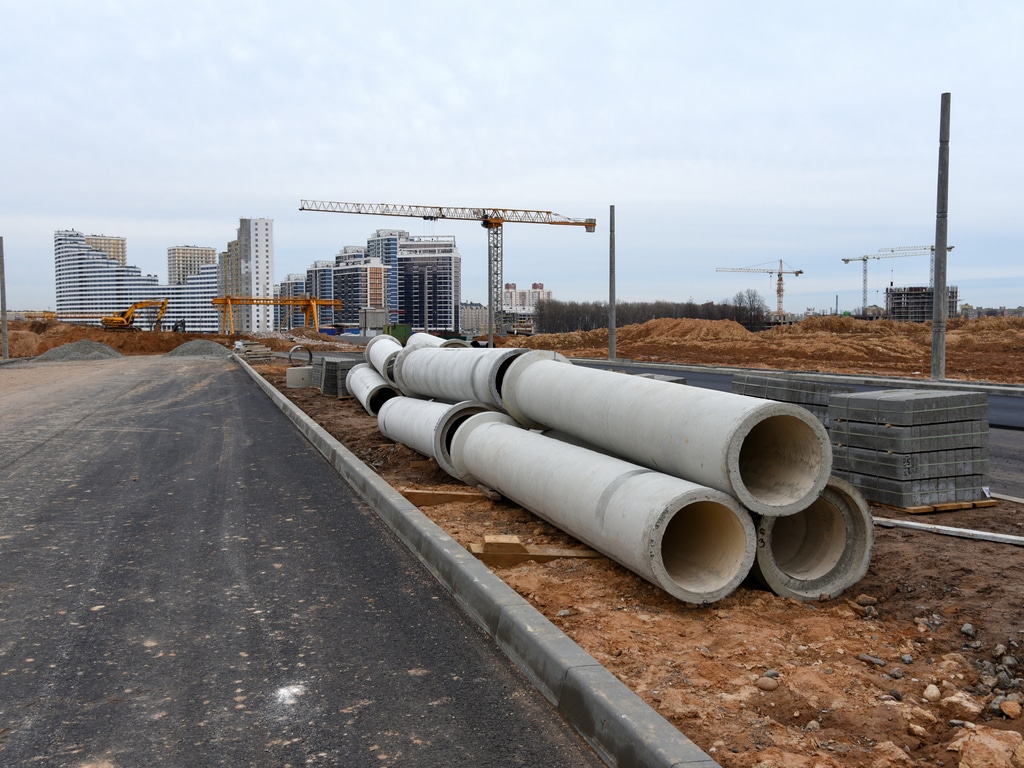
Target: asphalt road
x=185 y=581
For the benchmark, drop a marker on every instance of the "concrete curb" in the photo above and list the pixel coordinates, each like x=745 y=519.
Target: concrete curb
x=621 y=728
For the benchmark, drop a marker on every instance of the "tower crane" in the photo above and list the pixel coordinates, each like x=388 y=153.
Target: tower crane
x=492 y=219
x=778 y=283
x=892 y=253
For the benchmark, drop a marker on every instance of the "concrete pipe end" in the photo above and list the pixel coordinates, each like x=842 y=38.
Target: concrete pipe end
x=456 y=344
x=508 y=383
x=381 y=338
x=703 y=547
x=779 y=460
x=819 y=552
x=456 y=448
x=447 y=426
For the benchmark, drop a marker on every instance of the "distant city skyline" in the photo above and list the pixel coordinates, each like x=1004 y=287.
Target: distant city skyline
x=730 y=134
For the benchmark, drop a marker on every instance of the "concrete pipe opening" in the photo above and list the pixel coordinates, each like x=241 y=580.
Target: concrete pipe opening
x=705 y=551
x=783 y=462
x=819 y=552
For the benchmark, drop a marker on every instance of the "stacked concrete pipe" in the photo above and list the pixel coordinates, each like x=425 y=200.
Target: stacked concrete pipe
x=381 y=352
x=426 y=426
x=454 y=375
x=775 y=458
x=696 y=543
x=367 y=386
x=421 y=339
x=818 y=552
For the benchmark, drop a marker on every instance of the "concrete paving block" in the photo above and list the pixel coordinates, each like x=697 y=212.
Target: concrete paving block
x=910 y=439
x=907 y=407
x=911 y=466
x=917 y=493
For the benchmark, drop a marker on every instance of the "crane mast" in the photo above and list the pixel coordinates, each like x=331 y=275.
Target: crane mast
x=492 y=219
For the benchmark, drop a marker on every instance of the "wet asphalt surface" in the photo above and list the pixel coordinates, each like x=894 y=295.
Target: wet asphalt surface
x=184 y=581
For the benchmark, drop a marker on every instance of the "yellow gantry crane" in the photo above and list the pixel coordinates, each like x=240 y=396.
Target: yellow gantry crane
x=778 y=283
x=308 y=304
x=492 y=219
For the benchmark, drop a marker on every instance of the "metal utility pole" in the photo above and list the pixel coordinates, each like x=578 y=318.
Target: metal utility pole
x=611 y=282
x=4 y=350
x=939 y=308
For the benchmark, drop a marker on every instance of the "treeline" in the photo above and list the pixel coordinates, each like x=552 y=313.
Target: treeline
x=747 y=308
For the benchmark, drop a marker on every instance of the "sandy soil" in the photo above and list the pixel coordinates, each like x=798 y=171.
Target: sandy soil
x=706 y=669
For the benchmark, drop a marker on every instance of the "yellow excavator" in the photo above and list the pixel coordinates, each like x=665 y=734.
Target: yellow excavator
x=125 y=321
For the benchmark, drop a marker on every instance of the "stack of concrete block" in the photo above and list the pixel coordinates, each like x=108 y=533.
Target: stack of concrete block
x=812 y=395
x=318 y=373
x=911 y=448
x=253 y=352
x=335 y=371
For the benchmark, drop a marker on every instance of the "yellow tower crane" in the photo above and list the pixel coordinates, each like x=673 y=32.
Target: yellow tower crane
x=778 y=283
x=492 y=219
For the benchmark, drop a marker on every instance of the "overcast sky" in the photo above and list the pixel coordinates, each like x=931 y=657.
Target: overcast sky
x=726 y=134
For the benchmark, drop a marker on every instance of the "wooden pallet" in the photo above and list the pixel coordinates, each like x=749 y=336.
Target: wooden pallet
x=928 y=509
x=509 y=550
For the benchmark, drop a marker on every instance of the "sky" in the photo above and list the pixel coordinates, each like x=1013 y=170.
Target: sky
x=730 y=134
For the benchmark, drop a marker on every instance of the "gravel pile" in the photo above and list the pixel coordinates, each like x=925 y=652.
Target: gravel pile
x=79 y=350
x=200 y=348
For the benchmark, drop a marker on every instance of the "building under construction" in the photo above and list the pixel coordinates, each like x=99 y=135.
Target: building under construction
x=914 y=305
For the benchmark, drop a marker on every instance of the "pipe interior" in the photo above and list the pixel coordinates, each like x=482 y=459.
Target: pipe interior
x=499 y=374
x=809 y=544
x=703 y=545
x=378 y=397
x=780 y=460
x=450 y=430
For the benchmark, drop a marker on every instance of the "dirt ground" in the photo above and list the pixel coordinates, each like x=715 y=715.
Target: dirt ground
x=757 y=680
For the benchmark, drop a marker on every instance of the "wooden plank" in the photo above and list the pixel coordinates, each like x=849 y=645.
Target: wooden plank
x=506 y=550
x=945 y=530
x=423 y=497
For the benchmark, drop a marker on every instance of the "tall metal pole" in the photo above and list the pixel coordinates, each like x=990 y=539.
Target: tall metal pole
x=611 y=282
x=939 y=304
x=5 y=352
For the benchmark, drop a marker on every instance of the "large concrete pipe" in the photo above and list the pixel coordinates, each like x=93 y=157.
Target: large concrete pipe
x=426 y=426
x=454 y=375
x=381 y=352
x=774 y=457
x=696 y=543
x=368 y=387
x=421 y=339
x=818 y=552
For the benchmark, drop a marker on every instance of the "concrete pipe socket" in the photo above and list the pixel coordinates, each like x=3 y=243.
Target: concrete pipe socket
x=454 y=375
x=775 y=458
x=426 y=426
x=696 y=543
x=381 y=352
x=369 y=387
x=818 y=552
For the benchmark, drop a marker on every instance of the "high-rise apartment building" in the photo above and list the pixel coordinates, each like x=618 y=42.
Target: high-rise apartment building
x=423 y=278
x=90 y=284
x=359 y=283
x=320 y=285
x=185 y=260
x=292 y=287
x=113 y=246
x=914 y=305
x=247 y=269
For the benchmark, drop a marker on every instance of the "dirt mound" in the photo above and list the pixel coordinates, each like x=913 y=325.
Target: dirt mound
x=79 y=350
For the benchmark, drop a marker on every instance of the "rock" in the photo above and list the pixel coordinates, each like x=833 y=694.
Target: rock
x=969 y=630
x=999 y=650
x=865 y=600
x=962 y=705
x=767 y=683
x=917 y=730
x=1009 y=661
x=896 y=674
x=771 y=673
x=1011 y=709
x=813 y=725
x=890 y=756
x=869 y=659
x=931 y=693
x=990 y=748
x=896 y=694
